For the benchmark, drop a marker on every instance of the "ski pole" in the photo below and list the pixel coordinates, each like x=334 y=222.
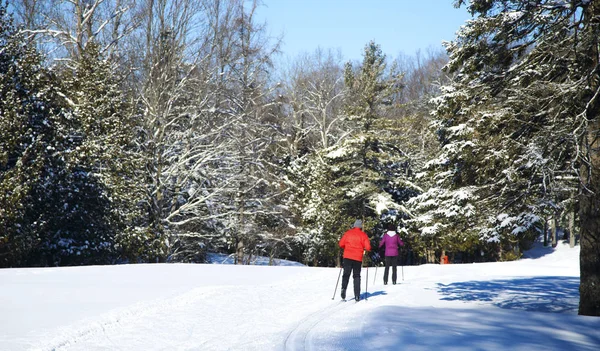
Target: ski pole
x=367 y=283
x=402 y=270
x=336 y=284
x=375 y=277
x=402 y=263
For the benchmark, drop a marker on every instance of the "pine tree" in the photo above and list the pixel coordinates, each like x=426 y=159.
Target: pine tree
x=105 y=160
x=364 y=175
x=23 y=125
x=370 y=169
x=526 y=92
x=318 y=207
x=38 y=197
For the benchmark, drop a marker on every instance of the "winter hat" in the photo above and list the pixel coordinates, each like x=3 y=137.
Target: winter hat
x=391 y=227
x=358 y=224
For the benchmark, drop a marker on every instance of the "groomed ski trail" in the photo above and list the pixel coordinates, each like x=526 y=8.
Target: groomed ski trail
x=299 y=338
x=189 y=321
x=68 y=337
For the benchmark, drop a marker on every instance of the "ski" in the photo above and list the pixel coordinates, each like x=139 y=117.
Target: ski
x=346 y=300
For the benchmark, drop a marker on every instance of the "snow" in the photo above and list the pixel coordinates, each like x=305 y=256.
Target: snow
x=460 y=130
x=529 y=304
x=383 y=202
x=337 y=152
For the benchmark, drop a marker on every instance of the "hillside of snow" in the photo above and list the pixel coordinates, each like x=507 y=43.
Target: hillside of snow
x=530 y=304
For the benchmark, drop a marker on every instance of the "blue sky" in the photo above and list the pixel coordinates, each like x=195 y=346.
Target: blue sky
x=399 y=26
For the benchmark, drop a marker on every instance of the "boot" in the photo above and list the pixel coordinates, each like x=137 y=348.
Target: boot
x=343 y=294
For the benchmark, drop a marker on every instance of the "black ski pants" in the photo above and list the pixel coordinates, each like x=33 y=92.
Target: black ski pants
x=393 y=262
x=352 y=266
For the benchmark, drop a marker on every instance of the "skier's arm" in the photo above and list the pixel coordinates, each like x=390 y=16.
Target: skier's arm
x=400 y=242
x=366 y=243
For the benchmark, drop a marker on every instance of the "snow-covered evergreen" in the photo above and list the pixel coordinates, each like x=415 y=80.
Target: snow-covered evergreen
x=55 y=211
x=525 y=95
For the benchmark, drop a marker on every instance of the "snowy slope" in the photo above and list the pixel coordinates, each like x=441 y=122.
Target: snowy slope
x=526 y=305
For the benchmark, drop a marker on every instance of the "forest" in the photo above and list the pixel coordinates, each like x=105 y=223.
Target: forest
x=160 y=130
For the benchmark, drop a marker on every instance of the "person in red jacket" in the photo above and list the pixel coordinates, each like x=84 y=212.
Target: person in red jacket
x=354 y=242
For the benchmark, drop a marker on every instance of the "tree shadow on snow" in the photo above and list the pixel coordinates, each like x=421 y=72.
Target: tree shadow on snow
x=481 y=328
x=540 y=294
x=430 y=328
x=538 y=249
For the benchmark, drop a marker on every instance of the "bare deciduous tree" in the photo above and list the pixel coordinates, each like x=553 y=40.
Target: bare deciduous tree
x=314 y=94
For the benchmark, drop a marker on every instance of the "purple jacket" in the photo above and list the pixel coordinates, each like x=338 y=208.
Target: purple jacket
x=391 y=240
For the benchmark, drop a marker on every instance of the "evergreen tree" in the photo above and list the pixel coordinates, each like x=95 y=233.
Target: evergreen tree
x=525 y=101
x=24 y=130
x=46 y=210
x=364 y=175
x=372 y=173
x=66 y=172
x=103 y=121
x=321 y=222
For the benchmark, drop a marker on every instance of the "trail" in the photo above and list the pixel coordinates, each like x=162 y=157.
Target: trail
x=488 y=306
x=299 y=338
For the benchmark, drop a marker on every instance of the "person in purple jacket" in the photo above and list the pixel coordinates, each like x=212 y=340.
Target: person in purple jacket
x=391 y=240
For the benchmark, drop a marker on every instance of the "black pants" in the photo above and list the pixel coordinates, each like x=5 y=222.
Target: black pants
x=390 y=261
x=354 y=267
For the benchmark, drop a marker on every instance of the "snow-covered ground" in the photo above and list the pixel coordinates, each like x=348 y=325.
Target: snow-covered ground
x=526 y=305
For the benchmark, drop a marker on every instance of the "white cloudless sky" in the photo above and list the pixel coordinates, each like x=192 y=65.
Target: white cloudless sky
x=399 y=26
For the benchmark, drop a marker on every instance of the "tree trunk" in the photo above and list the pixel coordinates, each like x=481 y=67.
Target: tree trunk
x=589 y=210
x=239 y=251
x=545 y=232
x=589 y=214
x=553 y=226
x=430 y=256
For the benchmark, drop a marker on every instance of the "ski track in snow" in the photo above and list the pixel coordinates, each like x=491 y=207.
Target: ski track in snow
x=70 y=336
x=305 y=334
x=313 y=332
x=180 y=322
x=300 y=337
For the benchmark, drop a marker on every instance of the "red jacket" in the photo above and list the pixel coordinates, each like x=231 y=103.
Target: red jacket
x=354 y=242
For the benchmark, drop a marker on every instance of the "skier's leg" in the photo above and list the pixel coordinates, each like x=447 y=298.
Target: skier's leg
x=394 y=263
x=347 y=264
x=386 y=272
x=357 y=265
